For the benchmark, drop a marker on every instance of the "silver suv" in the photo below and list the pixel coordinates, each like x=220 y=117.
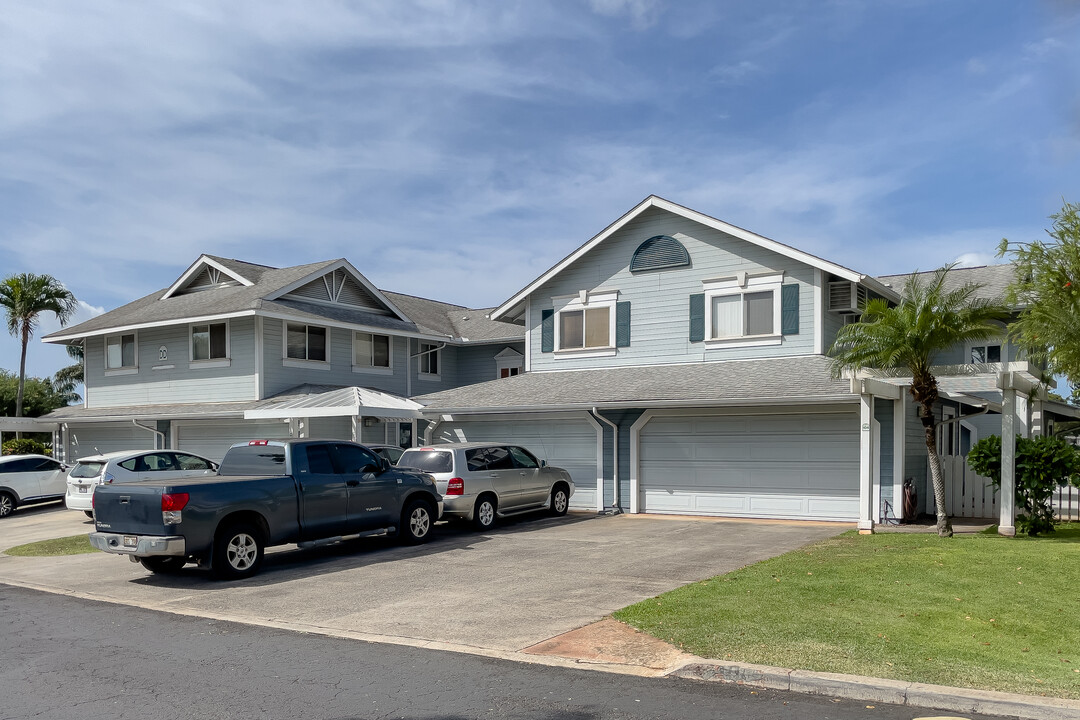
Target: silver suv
x=482 y=481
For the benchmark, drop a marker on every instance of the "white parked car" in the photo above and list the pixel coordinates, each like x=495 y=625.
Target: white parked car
x=26 y=479
x=128 y=466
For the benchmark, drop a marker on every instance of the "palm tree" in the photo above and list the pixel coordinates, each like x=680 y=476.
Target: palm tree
x=24 y=297
x=929 y=319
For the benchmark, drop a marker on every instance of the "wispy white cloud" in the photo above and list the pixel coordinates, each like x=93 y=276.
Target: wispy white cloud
x=642 y=13
x=735 y=74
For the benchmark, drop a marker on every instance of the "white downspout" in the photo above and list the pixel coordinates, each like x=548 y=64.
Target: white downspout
x=157 y=434
x=614 y=459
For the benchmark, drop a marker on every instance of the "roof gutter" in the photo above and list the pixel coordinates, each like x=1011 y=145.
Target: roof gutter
x=157 y=434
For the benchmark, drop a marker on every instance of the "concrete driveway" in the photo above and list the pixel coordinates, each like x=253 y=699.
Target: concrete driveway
x=529 y=580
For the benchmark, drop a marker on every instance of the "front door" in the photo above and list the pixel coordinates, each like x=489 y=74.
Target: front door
x=372 y=492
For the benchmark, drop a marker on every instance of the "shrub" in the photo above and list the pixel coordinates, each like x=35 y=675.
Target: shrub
x=23 y=446
x=1042 y=463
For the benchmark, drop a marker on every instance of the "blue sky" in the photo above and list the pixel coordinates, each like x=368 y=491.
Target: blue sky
x=456 y=150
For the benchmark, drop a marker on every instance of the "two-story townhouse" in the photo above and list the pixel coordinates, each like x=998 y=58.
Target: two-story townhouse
x=233 y=351
x=682 y=363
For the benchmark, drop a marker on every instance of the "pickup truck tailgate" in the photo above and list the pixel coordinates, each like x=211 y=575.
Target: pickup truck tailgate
x=133 y=508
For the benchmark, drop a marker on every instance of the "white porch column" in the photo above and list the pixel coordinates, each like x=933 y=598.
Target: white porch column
x=866 y=464
x=900 y=411
x=354 y=423
x=1023 y=416
x=1009 y=428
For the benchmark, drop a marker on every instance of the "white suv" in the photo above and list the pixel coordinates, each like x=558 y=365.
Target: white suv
x=128 y=466
x=28 y=479
x=482 y=481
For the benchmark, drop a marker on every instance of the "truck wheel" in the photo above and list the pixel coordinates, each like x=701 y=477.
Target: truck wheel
x=484 y=513
x=238 y=551
x=163 y=565
x=560 y=500
x=7 y=504
x=416 y=522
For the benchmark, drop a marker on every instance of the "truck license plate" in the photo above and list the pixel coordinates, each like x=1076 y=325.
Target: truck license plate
x=131 y=541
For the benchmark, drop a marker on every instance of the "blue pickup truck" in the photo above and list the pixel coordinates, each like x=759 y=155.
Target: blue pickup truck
x=266 y=492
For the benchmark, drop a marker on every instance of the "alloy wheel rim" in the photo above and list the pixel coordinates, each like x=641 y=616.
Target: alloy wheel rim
x=560 y=501
x=242 y=551
x=487 y=513
x=5 y=505
x=420 y=522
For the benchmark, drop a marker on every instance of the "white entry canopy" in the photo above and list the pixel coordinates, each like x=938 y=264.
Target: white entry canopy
x=319 y=401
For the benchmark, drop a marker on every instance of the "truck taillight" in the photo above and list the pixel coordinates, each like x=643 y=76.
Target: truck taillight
x=456 y=486
x=173 y=501
x=171 y=505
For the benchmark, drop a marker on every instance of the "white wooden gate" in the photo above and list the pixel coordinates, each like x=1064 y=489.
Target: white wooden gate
x=1066 y=503
x=966 y=494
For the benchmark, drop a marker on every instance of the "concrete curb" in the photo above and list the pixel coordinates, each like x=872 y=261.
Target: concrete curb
x=896 y=692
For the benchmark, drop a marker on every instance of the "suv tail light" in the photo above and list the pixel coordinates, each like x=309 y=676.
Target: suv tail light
x=456 y=486
x=171 y=505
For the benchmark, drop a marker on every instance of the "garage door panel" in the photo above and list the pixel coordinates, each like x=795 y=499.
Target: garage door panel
x=109 y=437
x=786 y=465
x=213 y=439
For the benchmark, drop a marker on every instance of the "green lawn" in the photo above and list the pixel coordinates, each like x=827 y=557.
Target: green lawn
x=74 y=545
x=976 y=611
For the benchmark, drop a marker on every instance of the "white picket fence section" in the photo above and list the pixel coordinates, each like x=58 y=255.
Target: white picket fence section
x=966 y=494
x=971 y=495
x=1066 y=502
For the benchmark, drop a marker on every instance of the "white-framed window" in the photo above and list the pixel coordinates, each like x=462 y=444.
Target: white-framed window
x=306 y=344
x=373 y=353
x=209 y=344
x=985 y=353
x=429 y=361
x=122 y=354
x=585 y=324
x=743 y=311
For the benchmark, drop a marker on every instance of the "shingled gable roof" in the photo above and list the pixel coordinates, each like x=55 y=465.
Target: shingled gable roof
x=805 y=379
x=512 y=307
x=265 y=293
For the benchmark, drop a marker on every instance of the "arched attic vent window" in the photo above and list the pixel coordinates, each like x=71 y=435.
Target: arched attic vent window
x=658 y=253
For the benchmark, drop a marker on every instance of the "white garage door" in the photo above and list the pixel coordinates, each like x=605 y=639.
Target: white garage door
x=569 y=443
x=212 y=439
x=800 y=466
x=96 y=438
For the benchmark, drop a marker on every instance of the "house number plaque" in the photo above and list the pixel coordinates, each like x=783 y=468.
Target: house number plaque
x=163 y=353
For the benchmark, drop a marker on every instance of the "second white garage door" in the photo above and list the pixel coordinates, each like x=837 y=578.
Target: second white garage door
x=569 y=443
x=799 y=465
x=212 y=439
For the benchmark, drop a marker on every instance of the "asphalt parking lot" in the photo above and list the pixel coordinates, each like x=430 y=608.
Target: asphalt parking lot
x=530 y=579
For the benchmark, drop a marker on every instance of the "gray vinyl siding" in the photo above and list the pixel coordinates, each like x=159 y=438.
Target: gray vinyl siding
x=279 y=377
x=659 y=299
x=959 y=355
x=176 y=380
x=830 y=325
x=883 y=413
x=476 y=363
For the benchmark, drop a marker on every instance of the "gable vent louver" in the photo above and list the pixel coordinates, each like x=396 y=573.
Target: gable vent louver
x=208 y=279
x=340 y=288
x=658 y=253
x=846 y=297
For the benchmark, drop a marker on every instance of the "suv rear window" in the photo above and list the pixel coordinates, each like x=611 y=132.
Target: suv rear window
x=86 y=469
x=429 y=461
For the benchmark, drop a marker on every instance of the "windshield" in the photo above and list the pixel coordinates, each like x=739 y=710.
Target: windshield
x=430 y=461
x=87 y=469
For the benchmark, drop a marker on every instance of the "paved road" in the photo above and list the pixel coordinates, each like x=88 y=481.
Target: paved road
x=70 y=659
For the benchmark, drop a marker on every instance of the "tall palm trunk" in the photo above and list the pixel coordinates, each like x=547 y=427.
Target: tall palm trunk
x=944 y=527
x=25 y=337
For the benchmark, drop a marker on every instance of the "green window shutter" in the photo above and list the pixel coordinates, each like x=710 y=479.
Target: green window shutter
x=547 y=331
x=697 y=317
x=622 y=324
x=789 y=309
